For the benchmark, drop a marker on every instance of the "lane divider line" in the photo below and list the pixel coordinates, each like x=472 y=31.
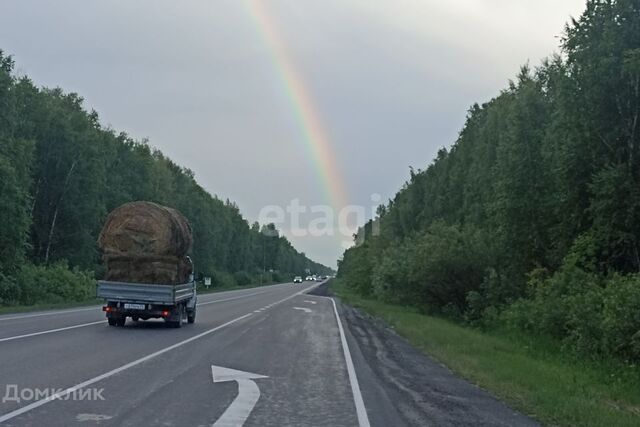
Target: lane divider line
x=129 y=365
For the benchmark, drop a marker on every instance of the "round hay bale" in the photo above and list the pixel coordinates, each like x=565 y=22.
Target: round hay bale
x=145 y=229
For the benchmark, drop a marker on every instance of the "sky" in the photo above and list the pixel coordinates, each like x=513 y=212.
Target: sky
x=311 y=106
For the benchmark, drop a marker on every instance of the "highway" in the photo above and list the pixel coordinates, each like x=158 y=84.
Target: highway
x=268 y=356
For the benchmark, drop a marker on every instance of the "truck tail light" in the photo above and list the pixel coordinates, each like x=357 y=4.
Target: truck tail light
x=165 y=313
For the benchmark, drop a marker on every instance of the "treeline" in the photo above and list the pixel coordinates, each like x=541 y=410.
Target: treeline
x=61 y=172
x=531 y=219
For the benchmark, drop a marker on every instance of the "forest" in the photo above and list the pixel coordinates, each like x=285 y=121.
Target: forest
x=62 y=172
x=531 y=220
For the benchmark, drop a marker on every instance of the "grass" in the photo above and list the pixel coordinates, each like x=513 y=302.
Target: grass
x=528 y=373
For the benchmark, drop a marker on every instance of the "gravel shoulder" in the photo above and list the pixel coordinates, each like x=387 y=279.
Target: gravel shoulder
x=403 y=386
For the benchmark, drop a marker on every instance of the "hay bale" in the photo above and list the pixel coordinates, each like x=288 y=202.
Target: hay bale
x=144 y=229
x=147 y=269
x=144 y=242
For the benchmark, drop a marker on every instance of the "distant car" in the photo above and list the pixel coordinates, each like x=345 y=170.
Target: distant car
x=309 y=279
x=319 y=279
x=297 y=279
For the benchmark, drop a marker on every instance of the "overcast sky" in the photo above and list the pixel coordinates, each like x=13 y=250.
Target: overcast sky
x=390 y=80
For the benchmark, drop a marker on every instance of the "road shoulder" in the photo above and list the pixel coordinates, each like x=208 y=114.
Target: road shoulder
x=403 y=386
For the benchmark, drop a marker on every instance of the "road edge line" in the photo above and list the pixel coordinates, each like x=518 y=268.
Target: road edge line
x=50 y=331
x=361 y=410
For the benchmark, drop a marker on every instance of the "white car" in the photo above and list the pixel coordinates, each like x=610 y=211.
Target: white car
x=297 y=279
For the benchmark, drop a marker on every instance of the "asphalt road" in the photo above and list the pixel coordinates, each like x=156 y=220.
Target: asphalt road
x=270 y=356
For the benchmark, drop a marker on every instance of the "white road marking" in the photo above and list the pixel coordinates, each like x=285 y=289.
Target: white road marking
x=95 y=323
x=361 y=410
x=50 y=331
x=76 y=310
x=101 y=321
x=115 y=371
x=248 y=394
x=309 y=301
x=92 y=417
x=306 y=310
x=122 y=368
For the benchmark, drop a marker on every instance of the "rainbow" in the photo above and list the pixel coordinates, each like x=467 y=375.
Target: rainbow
x=315 y=136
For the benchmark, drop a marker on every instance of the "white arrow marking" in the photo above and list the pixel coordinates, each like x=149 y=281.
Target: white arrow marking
x=248 y=395
x=310 y=302
x=306 y=310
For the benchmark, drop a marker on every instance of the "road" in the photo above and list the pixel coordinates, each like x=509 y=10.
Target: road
x=269 y=356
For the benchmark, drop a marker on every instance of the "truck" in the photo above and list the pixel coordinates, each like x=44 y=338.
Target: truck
x=173 y=303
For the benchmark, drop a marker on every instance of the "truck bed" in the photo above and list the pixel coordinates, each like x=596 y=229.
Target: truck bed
x=145 y=293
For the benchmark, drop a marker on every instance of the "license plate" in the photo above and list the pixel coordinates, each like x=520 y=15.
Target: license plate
x=129 y=306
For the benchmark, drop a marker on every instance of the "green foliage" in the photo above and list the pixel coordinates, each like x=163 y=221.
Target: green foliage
x=532 y=217
x=390 y=275
x=621 y=317
x=242 y=278
x=447 y=264
x=356 y=267
x=592 y=315
x=15 y=174
x=56 y=283
x=222 y=279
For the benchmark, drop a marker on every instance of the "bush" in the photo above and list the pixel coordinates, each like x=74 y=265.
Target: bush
x=46 y=285
x=495 y=293
x=621 y=317
x=356 y=268
x=278 y=277
x=242 y=278
x=222 y=279
x=593 y=315
x=447 y=263
x=556 y=303
x=390 y=276
x=9 y=291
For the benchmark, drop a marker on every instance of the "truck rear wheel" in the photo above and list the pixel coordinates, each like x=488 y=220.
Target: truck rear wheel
x=121 y=321
x=191 y=316
x=178 y=323
x=111 y=321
